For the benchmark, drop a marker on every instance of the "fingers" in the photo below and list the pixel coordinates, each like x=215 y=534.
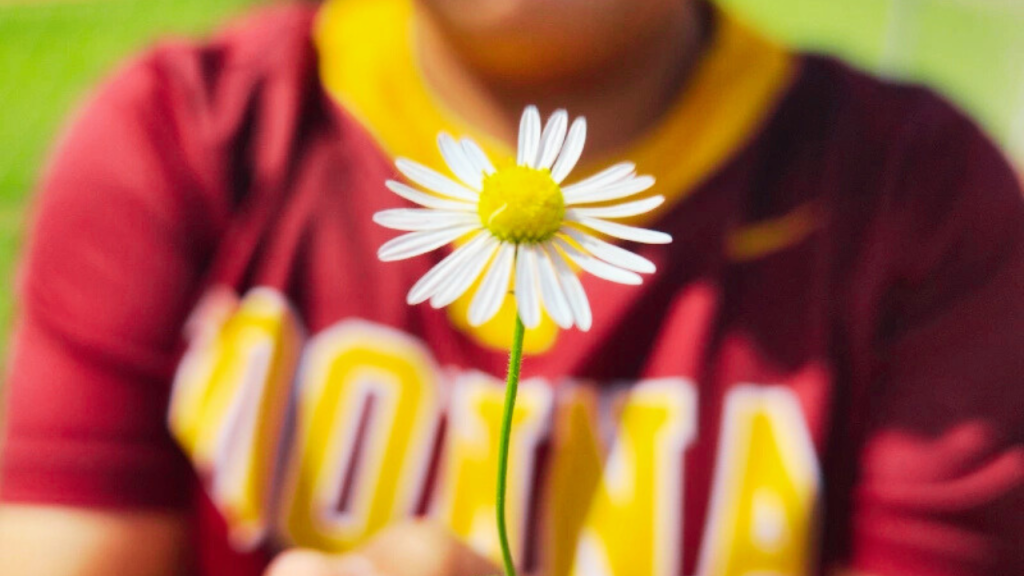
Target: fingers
x=313 y=563
x=423 y=548
x=301 y=563
x=417 y=548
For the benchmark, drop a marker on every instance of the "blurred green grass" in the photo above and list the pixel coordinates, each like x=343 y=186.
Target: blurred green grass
x=52 y=51
x=972 y=51
x=50 y=54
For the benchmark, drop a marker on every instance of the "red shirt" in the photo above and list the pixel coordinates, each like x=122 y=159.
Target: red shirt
x=871 y=372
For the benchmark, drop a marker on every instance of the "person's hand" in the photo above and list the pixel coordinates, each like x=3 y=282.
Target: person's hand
x=418 y=548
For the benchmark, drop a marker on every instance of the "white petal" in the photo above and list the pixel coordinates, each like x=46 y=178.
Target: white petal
x=622 y=231
x=571 y=150
x=606 y=177
x=455 y=156
x=623 y=210
x=552 y=138
x=494 y=287
x=434 y=181
x=527 y=293
x=423 y=199
x=551 y=291
x=429 y=282
x=416 y=243
x=464 y=276
x=597 y=267
x=529 y=137
x=613 y=191
x=574 y=293
x=476 y=156
x=610 y=253
x=412 y=219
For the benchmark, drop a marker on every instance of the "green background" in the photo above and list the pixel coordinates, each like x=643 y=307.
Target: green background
x=52 y=51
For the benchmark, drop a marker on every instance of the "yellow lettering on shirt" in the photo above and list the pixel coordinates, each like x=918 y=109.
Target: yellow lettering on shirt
x=367 y=406
x=229 y=401
x=466 y=497
x=575 y=469
x=635 y=521
x=761 y=518
x=368 y=414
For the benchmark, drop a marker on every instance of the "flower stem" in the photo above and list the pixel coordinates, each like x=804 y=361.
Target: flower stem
x=515 y=363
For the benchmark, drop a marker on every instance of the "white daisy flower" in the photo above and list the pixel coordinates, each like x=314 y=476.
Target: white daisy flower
x=523 y=226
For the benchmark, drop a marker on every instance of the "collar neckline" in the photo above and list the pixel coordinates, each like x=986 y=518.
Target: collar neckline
x=367 y=65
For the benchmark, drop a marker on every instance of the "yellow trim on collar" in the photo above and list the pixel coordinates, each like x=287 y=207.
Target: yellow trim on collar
x=367 y=64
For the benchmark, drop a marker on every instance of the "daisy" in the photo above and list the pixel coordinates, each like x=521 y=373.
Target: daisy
x=522 y=226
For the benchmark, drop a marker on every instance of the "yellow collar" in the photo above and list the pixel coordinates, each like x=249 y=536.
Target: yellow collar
x=367 y=64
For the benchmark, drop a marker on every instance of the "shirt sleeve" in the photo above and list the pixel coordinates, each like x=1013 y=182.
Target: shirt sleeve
x=941 y=486
x=113 y=263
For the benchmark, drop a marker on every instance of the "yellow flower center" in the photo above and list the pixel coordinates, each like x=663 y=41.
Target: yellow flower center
x=521 y=205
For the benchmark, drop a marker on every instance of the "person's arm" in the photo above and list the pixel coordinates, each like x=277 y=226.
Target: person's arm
x=940 y=489
x=55 y=541
x=90 y=480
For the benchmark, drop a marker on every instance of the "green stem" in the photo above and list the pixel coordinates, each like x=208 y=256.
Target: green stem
x=515 y=363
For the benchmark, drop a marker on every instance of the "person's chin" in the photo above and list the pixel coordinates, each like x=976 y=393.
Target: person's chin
x=498 y=14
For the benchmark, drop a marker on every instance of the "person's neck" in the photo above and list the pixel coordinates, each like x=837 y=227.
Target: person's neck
x=625 y=98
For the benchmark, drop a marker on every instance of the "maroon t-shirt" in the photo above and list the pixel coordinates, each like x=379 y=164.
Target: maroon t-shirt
x=892 y=334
